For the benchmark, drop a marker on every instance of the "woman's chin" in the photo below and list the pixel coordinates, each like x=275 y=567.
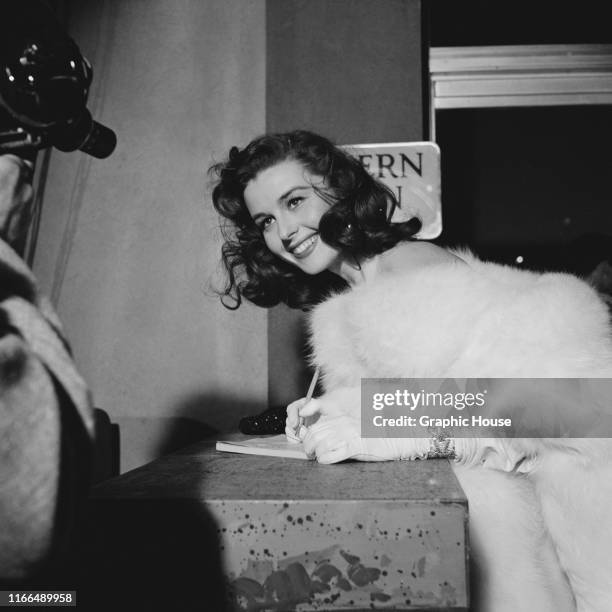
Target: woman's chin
x=311 y=268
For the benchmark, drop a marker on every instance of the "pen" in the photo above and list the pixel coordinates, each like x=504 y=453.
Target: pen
x=313 y=384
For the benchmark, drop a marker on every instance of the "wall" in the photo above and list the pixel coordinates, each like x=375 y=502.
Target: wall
x=128 y=245
x=351 y=70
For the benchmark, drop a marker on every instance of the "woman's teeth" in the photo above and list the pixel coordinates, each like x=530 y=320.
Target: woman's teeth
x=300 y=248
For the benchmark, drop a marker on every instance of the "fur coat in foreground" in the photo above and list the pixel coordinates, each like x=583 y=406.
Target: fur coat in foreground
x=540 y=509
x=46 y=429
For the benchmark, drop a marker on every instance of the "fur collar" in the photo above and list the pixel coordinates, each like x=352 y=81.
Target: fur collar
x=453 y=320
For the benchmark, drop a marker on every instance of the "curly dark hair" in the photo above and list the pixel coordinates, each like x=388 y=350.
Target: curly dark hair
x=357 y=222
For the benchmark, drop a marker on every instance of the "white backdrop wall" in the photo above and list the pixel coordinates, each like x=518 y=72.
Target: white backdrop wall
x=128 y=245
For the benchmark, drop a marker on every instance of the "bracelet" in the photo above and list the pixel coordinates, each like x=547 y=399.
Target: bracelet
x=441 y=445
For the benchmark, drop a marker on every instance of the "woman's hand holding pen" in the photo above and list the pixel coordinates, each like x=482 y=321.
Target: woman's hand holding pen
x=336 y=434
x=294 y=429
x=294 y=421
x=303 y=413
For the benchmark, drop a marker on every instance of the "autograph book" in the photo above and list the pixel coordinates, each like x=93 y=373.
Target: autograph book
x=271 y=446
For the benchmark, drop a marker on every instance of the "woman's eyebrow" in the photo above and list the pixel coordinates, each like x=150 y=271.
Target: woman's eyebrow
x=283 y=197
x=260 y=214
x=290 y=191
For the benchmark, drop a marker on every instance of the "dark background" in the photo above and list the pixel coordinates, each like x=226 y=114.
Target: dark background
x=452 y=23
x=531 y=182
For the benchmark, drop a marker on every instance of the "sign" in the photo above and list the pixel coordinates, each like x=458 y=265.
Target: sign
x=412 y=171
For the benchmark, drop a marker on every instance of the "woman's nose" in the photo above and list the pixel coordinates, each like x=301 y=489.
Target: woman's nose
x=287 y=227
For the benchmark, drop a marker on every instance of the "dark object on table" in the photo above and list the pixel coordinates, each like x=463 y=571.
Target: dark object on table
x=270 y=421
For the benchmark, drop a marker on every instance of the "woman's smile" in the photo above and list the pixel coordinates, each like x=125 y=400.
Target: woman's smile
x=304 y=248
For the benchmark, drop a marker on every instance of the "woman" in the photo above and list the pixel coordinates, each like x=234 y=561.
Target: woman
x=311 y=228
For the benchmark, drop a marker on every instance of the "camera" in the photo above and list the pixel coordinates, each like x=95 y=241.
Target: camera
x=44 y=86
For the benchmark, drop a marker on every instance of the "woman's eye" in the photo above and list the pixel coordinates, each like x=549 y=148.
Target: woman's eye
x=265 y=223
x=294 y=202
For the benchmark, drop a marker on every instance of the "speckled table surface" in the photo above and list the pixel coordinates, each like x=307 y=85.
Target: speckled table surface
x=289 y=534
x=201 y=472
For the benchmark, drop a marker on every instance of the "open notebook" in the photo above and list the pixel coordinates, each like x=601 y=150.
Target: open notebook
x=271 y=446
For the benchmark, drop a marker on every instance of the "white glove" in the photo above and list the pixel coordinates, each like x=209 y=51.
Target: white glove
x=332 y=429
x=342 y=401
x=294 y=429
x=336 y=438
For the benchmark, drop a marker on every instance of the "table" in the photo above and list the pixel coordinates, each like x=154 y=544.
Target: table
x=205 y=530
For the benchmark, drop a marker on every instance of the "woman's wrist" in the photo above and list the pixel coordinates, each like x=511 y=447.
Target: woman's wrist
x=409 y=449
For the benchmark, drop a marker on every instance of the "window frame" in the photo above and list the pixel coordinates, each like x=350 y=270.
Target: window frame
x=518 y=75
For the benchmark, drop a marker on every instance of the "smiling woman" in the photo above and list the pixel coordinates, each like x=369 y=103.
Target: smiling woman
x=303 y=216
x=310 y=227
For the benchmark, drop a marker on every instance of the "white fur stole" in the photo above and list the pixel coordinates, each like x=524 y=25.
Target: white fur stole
x=451 y=320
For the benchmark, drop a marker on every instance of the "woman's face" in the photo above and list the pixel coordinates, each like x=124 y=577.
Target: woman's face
x=285 y=205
